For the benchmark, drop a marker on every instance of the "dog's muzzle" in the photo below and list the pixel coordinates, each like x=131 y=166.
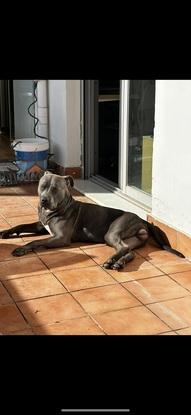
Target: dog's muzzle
x=44 y=202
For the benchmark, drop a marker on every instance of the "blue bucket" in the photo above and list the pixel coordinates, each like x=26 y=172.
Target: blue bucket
x=31 y=156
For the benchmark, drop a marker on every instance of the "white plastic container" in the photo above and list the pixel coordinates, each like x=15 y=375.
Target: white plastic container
x=31 y=155
x=31 y=144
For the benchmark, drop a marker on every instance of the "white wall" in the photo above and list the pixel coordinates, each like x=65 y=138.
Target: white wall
x=41 y=109
x=23 y=97
x=64 y=121
x=172 y=154
x=73 y=123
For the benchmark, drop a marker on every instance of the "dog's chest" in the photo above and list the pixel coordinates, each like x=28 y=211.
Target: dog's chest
x=43 y=221
x=47 y=227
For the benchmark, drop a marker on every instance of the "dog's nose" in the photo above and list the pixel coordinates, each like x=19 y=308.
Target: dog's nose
x=43 y=201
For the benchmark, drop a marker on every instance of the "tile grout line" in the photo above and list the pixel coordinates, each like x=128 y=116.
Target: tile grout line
x=86 y=312
x=94 y=287
x=86 y=288
x=120 y=308
x=169 y=275
x=158 y=268
x=125 y=307
x=178 y=283
x=53 y=295
x=159 y=301
x=137 y=279
x=20 y=312
x=145 y=305
x=36 y=209
x=98 y=324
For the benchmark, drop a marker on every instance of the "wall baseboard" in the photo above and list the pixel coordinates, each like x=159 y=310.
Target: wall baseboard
x=177 y=239
x=75 y=172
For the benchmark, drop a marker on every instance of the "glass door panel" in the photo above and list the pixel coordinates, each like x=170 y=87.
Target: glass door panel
x=141 y=131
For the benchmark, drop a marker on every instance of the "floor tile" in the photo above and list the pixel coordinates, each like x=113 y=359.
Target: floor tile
x=27 y=332
x=68 y=249
x=11 y=319
x=147 y=250
x=176 y=313
x=3 y=224
x=157 y=289
x=117 y=308
x=185 y=332
x=86 y=245
x=10 y=200
x=34 y=287
x=78 y=279
x=100 y=254
x=21 y=267
x=27 y=189
x=102 y=299
x=132 y=321
x=19 y=220
x=77 y=326
x=4 y=296
x=162 y=257
x=176 y=267
x=183 y=278
x=8 y=191
x=7 y=246
x=135 y=270
x=184 y=244
x=31 y=237
x=31 y=200
x=172 y=234
x=17 y=210
x=48 y=310
x=66 y=260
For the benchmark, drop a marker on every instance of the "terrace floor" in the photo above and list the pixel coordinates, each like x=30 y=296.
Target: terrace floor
x=67 y=292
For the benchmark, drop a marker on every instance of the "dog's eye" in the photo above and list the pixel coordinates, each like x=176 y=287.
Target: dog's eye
x=54 y=188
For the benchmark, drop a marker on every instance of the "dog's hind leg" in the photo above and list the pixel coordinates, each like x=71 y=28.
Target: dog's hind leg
x=132 y=243
x=124 y=248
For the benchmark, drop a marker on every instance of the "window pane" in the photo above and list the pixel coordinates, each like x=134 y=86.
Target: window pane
x=141 y=130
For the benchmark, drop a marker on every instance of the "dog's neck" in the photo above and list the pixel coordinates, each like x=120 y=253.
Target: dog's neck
x=66 y=203
x=46 y=215
x=61 y=208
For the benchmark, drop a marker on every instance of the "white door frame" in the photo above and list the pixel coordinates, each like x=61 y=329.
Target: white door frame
x=132 y=192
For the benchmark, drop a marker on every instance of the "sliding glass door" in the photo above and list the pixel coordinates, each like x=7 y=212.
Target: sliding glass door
x=119 y=135
x=136 y=143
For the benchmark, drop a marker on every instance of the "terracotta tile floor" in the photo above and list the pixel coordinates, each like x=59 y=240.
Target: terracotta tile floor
x=66 y=291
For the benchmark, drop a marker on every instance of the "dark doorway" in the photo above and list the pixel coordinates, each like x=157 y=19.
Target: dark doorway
x=101 y=129
x=107 y=137
x=6 y=119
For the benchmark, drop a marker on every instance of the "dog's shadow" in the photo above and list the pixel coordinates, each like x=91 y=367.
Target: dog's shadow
x=72 y=257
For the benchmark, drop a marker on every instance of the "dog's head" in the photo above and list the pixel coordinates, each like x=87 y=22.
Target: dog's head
x=54 y=190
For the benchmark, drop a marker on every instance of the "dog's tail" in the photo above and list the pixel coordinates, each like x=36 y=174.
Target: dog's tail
x=160 y=237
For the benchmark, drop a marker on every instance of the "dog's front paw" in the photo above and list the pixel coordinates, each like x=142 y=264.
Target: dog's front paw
x=20 y=251
x=108 y=264
x=5 y=234
x=117 y=266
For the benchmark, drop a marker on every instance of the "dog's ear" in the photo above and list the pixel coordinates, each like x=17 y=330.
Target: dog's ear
x=69 y=181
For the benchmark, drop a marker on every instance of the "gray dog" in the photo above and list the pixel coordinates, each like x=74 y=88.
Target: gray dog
x=68 y=220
